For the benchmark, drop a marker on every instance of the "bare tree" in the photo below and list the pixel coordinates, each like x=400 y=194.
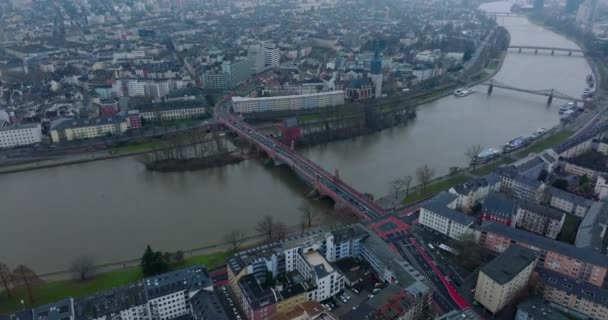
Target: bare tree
x=235 y=238
x=280 y=230
x=397 y=185
x=407 y=182
x=24 y=276
x=5 y=278
x=424 y=174
x=83 y=268
x=472 y=153
x=309 y=214
x=266 y=227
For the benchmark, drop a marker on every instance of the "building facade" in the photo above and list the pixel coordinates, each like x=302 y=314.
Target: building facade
x=78 y=129
x=20 y=135
x=539 y=219
x=288 y=103
x=439 y=214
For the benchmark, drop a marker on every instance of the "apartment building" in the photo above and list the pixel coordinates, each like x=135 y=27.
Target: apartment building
x=519 y=185
x=498 y=208
x=587 y=299
x=474 y=191
x=592 y=229
x=440 y=215
x=167 y=111
x=20 y=135
x=288 y=103
x=504 y=277
x=583 y=264
x=567 y=202
x=537 y=309
x=539 y=219
x=182 y=294
x=464 y=314
x=76 y=129
x=306 y=263
x=601 y=186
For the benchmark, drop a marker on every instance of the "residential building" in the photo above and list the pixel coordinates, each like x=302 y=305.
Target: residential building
x=539 y=219
x=474 y=191
x=592 y=301
x=601 y=187
x=498 y=208
x=133 y=119
x=583 y=264
x=440 y=215
x=567 y=202
x=591 y=231
x=238 y=71
x=504 y=277
x=309 y=310
x=519 y=185
x=20 y=135
x=272 y=55
x=61 y=310
x=308 y=260
x=288 y=103
x=76 y=129
x=536 y=309
x=390 y=303
x=127 y=302
x=178 y=110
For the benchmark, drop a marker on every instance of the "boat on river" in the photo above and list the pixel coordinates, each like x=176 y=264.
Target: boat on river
x=537 y=133
x=486 y=155
x=463 y=92
x=516 y=143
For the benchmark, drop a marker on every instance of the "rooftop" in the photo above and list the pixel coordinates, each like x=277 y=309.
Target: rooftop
x=19 y=126
x=104 y=304
x=499 y=204
x=591 y=231
x=173 y=105
x=583 y=254
x=240 y=99
x=538 y=310
x=466 y=314
x=80 y=123
x=206 y=305
x=541 y=210
x=54 y=311
x=509 y=264
x=257 y=296
x=571 y=197
x=573 y=287
x=439 y=205
x=191 y=278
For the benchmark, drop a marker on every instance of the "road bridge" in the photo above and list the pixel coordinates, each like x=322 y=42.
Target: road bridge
x=501 y=14
x=323 y=182
x=553 y=50
x=550 y=93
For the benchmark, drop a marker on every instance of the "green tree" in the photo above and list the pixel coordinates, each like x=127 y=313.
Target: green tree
x=153 y=263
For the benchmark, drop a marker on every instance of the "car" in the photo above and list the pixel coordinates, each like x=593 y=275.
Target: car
x=369 y=296
x=355 y=290
x=376 y=290
x=355 y=307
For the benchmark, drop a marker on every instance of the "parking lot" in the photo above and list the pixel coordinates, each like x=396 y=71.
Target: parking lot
x=344 y=303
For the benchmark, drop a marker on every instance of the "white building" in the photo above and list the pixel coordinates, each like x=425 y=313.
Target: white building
x=76 y=129
x=474 y=191
x=172 y=110
x=20 y=135
x=601 y=187
x=439 y=215
x=272 y=55
x=288 y=103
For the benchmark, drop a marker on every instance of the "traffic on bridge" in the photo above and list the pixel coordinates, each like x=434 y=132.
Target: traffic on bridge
x=323 y=182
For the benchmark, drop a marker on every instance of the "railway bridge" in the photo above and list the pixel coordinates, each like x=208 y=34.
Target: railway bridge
x=549 y=93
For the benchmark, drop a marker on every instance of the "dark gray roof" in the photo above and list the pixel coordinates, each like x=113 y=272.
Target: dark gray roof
x=77 y=123
x=349 y=233
x=191 y=278
x=206 y=305
x=571 y=197
x=23 y=315
x=498 y=204
x=509 y=264
x=110 y=302
x=257 y=296
x=530 y=164
x=19 y=126
x=439 y=206
x=538 y=310
x=173 y=105
x=591 y=230
x=546 y=244
x=541 y=210
x=54 y=311
x=573 y=287
x=471 y=185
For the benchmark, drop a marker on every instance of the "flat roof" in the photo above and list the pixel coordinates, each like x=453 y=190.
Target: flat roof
x=509 y=264
x=241 y=99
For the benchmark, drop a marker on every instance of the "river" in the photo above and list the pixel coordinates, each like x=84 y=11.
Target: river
x=112 y=209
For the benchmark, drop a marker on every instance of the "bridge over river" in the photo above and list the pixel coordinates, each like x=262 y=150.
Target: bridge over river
x=550 y=93
x=553 y=50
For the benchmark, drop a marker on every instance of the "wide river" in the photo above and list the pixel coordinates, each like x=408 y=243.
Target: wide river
x=112 y=209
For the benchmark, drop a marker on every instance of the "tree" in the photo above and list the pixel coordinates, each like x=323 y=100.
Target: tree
x=83 y=268
x=24 y=276
x=266 y=227
x=235 y=238
x=471 y=254
x=5 y=278
x=153 y=263
x=309 y=214
x=424 y=174
x=560 y=184
x=280 y=231
x=397 y=185
x=407 y=182
x=472 y=153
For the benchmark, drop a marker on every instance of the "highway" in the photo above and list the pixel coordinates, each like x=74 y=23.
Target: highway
x=312 y=171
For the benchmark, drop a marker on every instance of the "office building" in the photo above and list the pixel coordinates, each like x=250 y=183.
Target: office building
x=20 y=135
x=504 y=277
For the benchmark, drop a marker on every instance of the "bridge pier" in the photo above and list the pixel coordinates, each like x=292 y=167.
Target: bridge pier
x=552 y=52
x=550 y=99
x=490 y=87
x=519 y=50
x=570 y=52
x=535 y=51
